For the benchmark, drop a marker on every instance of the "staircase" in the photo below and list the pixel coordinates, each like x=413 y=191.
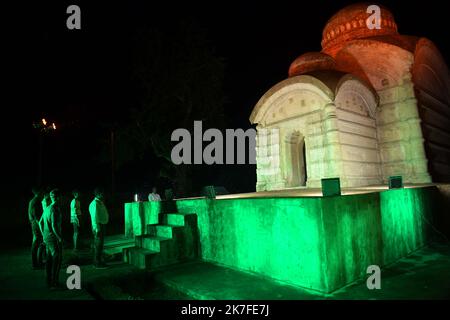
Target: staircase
x=114 y=246
x=173 y=240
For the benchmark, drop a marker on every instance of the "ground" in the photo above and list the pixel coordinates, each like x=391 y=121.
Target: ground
x=425 y=274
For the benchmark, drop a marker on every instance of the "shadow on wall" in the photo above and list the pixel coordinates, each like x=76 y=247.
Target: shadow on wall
x=441 y=216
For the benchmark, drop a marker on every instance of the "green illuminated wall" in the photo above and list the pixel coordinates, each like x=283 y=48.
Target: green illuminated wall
x=404 y=215
x=353 y=237
x=317 y=243
x=138 y=215
x=279 y=238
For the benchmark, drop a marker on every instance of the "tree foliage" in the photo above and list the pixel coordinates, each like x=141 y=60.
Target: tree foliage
x=179 y=79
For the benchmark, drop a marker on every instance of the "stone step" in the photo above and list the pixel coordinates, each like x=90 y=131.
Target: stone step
x=175 y=219
x=117 y=240
x=165 y=231
x=116 y=250
x=139 y=257
x=173 y=240
x=114 y=245
x=150 y=260
x=152 y=243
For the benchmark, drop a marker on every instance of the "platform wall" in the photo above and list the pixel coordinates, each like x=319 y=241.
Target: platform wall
x=317 y=243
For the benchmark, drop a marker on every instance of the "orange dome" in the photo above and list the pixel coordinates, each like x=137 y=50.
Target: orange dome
x=311 y=61
x=350 y=23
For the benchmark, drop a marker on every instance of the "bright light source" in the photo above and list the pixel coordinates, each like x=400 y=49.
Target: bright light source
x=44 y=121
x=136 y=198
x=53 y=126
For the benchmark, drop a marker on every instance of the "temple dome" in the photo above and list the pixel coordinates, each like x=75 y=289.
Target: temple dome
x=311 y=61
x=350 y=24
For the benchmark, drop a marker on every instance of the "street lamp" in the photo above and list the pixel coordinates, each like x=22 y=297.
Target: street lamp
x=43 y=127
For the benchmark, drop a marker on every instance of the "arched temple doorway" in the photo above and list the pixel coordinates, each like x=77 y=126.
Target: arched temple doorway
x=296 y=175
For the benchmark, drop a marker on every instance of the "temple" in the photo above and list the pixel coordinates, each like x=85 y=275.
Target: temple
x=372 y=104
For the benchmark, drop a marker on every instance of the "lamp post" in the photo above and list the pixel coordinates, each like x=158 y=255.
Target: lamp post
x=40 y=152
x=42 y=127
x=112 y=163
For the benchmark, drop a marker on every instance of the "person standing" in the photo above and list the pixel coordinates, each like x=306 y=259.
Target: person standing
x=75 y=213
x=99 y=218
x=34 y=215
x=154 y=196
x=50 y=225
x=46 y=200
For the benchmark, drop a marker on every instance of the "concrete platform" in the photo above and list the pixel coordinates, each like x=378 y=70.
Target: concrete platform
x=317 y=192
x=425 y=274
x=293 y=236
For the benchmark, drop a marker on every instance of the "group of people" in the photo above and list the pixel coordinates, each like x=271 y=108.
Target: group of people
x=45 y=216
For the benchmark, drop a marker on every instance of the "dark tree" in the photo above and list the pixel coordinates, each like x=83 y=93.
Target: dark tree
x=179 y=79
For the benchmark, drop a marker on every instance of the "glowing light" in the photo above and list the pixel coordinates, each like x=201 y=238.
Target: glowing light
x=136 y=198
x=53 y=126
x=44 y=122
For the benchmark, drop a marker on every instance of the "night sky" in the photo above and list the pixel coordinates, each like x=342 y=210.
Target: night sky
x=80 y=78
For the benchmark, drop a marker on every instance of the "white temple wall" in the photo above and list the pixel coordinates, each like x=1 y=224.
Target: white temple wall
x=352 y=136
x=400 y=135
x=356 y=108
x=401 y=144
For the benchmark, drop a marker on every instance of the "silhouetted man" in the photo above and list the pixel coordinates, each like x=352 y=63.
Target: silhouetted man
x=50 y=224
x=99 y=218
x=34 y=215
